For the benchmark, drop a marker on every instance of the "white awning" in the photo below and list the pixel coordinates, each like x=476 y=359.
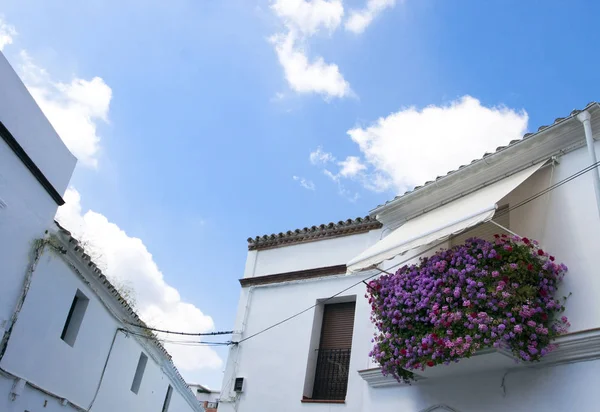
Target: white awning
x=440 y=223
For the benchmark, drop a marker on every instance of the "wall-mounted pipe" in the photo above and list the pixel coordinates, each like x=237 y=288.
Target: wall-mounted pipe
x=585 y=117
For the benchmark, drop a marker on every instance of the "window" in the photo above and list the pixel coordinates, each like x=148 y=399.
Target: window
x=167 y=399
x=486 y=230
x=332 y=363
x=139 y=373
x=74 y=318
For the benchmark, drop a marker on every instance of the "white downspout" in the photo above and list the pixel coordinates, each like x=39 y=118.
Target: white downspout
x=584 y=117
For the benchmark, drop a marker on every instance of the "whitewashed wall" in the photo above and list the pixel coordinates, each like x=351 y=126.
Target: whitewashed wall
x=213 y=396
x=308 y=255
x=29 y=210
x=37 y=353
x=566 y=223
x=274 y=363
x=31 y=399
x=561 y=388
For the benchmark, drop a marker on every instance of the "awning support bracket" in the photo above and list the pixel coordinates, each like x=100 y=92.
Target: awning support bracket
x=506 y=229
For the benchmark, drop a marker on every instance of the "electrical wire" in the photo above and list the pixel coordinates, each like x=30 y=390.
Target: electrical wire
x=228 y=332
x=519 y=204
x=181 y=342
x=333 y=296
x=522 y=203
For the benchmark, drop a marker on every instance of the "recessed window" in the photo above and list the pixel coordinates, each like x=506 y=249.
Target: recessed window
x=332 y=360
x=167 y=399
x=139 y=373
x=74 y=318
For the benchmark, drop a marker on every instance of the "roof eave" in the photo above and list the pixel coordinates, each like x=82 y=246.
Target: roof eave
x=493 y=159
x=91 y=273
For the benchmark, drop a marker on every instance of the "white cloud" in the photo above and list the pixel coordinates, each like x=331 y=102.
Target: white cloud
x=351 y=166
x=302 y=19
x=342 y=190
x=305 y=183
x=74 y=109
x=318 y=156
x=412 y=146
x=126 y=260
x=359 y=19
x=307 y=17
x=305 y=76
x=7 y=32
x=278 y=97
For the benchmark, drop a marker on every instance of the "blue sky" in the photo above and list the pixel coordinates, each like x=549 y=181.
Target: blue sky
x=205 y=111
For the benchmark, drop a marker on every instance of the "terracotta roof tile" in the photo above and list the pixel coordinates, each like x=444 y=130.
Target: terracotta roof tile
x=313 y=233
x=115 y=293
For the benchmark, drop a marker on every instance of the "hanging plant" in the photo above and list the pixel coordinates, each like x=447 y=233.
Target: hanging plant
x=478 y=295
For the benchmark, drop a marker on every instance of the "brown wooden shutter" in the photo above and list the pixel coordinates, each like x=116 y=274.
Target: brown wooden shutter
x=338 y=323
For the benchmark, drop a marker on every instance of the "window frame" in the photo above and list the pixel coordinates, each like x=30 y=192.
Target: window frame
x=315 y=343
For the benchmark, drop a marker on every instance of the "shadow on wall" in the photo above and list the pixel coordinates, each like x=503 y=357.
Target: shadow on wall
x=516 y=390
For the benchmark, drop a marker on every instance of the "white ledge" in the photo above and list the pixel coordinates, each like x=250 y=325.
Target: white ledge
x=572 y=347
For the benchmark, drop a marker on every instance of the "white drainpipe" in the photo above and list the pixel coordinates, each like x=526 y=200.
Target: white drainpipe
x=584 y=117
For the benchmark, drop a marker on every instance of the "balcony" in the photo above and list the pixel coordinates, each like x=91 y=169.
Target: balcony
x=331 y=374
x=571 y=347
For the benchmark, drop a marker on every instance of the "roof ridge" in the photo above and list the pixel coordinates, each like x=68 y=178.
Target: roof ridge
x=113 y=291
x=313 y=233
x=526 y=136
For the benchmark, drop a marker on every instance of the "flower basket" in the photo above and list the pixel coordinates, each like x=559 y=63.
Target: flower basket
x=466 y=299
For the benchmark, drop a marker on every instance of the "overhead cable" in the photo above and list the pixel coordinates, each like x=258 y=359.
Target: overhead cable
x=519 y=204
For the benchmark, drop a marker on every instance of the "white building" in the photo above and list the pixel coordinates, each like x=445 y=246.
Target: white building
x=69 y=342
x=209 y=398
x=316 y=273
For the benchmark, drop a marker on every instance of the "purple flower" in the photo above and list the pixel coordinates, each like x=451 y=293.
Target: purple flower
x=463 y=291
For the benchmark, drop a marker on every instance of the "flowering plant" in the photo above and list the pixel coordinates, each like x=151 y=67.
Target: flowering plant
x=477 y=295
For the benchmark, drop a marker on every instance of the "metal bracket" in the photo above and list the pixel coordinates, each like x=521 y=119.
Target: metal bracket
x=502 y=227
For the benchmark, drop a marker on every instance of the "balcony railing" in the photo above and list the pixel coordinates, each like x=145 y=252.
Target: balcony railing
x=331 y=375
